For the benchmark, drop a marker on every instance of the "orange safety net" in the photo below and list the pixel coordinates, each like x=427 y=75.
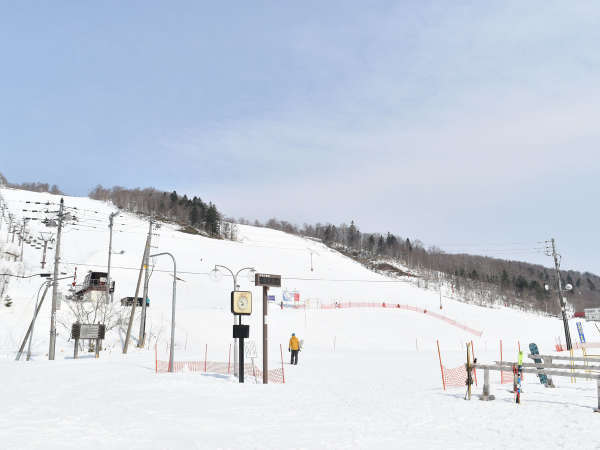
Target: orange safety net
x=343 y=305
x=276 y=376
x=455 y=377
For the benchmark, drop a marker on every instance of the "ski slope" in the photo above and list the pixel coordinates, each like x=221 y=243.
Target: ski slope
x=367 y=378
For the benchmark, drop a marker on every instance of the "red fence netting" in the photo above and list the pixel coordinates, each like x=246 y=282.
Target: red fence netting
x=343 y=305
x=452 y=377
x=276 y=376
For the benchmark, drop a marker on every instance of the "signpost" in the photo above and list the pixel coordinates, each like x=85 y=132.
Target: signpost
x=87 y=331
x=241 y=305
x=266 y=280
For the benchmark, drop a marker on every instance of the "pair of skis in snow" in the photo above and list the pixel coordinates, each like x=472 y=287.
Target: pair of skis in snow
x=469 y=381
x=518 y=373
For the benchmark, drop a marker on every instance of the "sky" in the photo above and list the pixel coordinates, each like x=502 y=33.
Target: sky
x=472 y=126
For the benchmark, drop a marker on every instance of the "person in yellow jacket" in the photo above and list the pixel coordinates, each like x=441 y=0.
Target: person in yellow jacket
x=294 y=347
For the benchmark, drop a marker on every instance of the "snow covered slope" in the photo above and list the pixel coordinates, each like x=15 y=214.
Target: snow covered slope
x=335 y=278
x=368 y=377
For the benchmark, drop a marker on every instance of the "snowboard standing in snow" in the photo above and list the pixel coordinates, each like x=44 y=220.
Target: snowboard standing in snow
x=533 y=348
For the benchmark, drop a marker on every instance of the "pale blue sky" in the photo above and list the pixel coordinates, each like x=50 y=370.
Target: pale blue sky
x=470 y=125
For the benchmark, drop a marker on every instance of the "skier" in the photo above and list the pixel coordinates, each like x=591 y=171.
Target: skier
x=294 y=347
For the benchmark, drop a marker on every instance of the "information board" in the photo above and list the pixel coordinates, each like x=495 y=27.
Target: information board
x=592 y=314
x=87 y=331
x=266 y=279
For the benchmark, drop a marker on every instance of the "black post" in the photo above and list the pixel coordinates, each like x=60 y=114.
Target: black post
x=265 y=335
x=76 y=349
x=241 y=368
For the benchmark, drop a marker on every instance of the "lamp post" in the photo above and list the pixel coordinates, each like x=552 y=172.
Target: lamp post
x=311 y=258
x=171 y=353
x=235 y=288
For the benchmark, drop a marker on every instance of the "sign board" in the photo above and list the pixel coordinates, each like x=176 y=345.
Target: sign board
x=88 y=331
x=241 y=302
x=271 y=298
x=128 y=301
x=592 y=314
x=580 y=331
x=241 y=331
x=265 y=279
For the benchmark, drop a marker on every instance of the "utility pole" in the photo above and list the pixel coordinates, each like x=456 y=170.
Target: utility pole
x=110 y=227
x=46 y=237
x=55 y=282
x=22 y=238
x=561 y=299
x=142 y=336
x=10 y=221
x=134 y=303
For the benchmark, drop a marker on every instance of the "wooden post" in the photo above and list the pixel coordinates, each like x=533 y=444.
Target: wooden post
x=486 y=387
x=97 y=348
x=76 y=349
x=598 y=391
x=550 y=383
x=441 y=366
x=205 y=354
x=265 y=335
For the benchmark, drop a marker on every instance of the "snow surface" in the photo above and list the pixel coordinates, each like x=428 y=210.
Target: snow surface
x=367 y=378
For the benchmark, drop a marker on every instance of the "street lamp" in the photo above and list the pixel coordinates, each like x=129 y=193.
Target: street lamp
x=171 y=354
x=311 y=257
x=235 y=288
x=43 y=275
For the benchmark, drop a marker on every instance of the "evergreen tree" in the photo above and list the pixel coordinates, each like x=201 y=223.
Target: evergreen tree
x=212 y=220
x=380 y=245
x=194 y=215
x=504 y=280
x=371 y=243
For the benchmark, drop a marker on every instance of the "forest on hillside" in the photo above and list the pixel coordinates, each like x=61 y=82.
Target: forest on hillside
x=31 y=186
x=191 y=213
x=477 y=279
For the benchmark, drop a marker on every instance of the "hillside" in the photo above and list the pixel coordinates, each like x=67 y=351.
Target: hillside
x=477 y=279
x=364 y=366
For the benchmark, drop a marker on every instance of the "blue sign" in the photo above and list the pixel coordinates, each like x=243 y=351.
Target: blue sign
x=580 y=331
x=270 y=298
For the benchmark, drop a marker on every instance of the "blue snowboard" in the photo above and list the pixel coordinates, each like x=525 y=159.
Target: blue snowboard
x=533 y=348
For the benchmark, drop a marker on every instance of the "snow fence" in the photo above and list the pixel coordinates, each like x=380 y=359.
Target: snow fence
x=386 y=305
